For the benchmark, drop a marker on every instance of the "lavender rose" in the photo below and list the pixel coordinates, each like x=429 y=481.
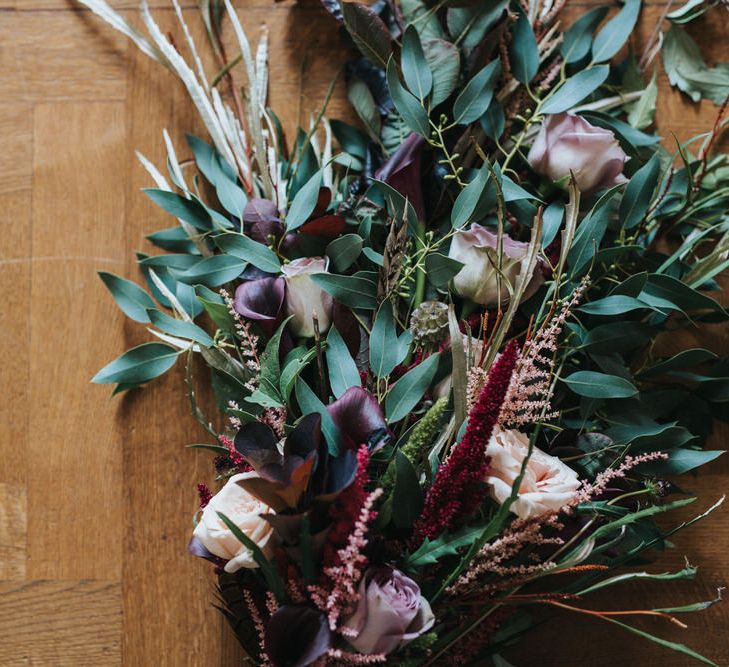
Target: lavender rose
x=567 y=142
x=390 y=612
x=304 y=296
x=477 y=280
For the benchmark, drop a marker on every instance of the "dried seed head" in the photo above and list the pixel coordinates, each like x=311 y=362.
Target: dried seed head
x=429 y=323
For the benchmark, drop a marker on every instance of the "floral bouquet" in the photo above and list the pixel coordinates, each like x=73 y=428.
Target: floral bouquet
x=437 y=339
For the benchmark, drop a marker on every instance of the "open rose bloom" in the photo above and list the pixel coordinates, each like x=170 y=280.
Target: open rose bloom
x=245 y=511
x=547 y=486
x=568 y=143
x=477 y=250
x=390 y=612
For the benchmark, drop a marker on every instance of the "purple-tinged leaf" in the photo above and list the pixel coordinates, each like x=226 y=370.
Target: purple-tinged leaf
x=296 y=636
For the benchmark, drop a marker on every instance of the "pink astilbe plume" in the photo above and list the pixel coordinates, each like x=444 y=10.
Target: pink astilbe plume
x=258 y=624
x=459 y=485
x=344 y=576
x=530 y=392
x=592 y=490
x=248 y=342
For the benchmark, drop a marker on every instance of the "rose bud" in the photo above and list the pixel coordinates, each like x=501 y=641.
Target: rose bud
x=477 y=280
x=390 y=612
x=245 y=511
x=304 y=297
x=567 y=142
x=547 y=486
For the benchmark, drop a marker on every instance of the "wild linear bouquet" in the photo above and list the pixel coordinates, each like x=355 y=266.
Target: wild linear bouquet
x=437 y=339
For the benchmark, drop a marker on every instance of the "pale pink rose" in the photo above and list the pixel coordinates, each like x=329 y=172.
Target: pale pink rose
x=304 y=296
x=567 y=142
x=476 y=249
x=390 y=612
x=245 y=511
x=548 y=484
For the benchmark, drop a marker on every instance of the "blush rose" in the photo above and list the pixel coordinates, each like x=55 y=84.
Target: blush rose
x=547 y=486
x=245 y=511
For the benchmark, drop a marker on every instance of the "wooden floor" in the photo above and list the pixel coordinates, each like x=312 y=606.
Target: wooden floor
x=97 y=493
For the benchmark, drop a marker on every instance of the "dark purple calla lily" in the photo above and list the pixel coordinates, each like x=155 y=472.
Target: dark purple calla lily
x=402 y=172
x=261 y=300
x=359 y=418
x=297 y=635
x=261 y=220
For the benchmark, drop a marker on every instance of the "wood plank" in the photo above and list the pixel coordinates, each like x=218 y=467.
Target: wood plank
x=51 y=58
x=63 y=623
x=16 y=163
x=74 y=492
x=13 y=528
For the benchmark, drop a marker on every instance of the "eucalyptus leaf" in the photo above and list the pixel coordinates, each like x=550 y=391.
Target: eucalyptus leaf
x=575 y=89
x=352 y=291
x=476 y=96
x=407 y=105
x=243 y=247
x=523 y=50
x=415 y=69
x=639 y=193
x=344 y=251
x=129 y=296
x=599 y=385
x=444 y=61
x=304 y=202
x=406 y=393
x=180 y=328
x=611 y=37
x=343 y=372
x=440 y=269
x=140 y=364
x=387 y=349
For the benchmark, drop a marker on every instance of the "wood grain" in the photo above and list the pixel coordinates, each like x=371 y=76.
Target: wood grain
x=97 y=494
x=64 y=623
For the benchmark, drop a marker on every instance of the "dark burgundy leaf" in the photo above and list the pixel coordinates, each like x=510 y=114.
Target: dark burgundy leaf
x=260 y=210
x=305 y=438
x=402 y=172
x=348 y=327
x=296 y=636
x=327 y=226
x=322 y=202
x=256 y=443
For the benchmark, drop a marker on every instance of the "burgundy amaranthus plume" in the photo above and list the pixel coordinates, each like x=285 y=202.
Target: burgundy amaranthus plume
x=459 y=486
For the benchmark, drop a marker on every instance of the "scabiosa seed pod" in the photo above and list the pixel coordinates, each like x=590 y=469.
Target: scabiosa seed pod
x=429 y=323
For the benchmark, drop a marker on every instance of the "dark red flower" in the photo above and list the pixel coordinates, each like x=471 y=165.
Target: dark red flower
x=459 y=488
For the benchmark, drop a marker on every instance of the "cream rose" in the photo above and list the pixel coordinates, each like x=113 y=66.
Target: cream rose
x=304 y=296
x=548 y=483
x=244 y=510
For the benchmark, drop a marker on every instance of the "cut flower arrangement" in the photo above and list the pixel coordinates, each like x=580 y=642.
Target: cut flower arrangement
x=435 y=338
